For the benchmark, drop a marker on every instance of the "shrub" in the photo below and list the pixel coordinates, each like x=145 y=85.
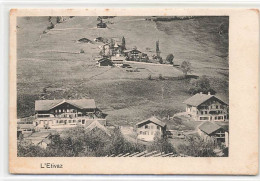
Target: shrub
x=170 y=58
x=196 y=147
x=161 y=144
x=201 y=85
x=51 y=26
x=149 y=77
x=186 y=67
x=82 y=51
x=161 y=77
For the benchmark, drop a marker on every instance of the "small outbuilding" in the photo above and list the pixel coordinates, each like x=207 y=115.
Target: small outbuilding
x=104 y=62
x=212 y=132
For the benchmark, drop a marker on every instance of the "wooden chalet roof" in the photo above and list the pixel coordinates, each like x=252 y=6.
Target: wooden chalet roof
x=200 y=98
x=209 y=127
x=45 y=105
x=154 y=120
x=96 y=124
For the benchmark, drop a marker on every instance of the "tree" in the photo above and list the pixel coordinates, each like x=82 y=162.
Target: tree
x=197 y=147
x=123 y=44
x=161 y=144
x=201 y=85
x=157 y=49
x=186 y=67
x=170 y=58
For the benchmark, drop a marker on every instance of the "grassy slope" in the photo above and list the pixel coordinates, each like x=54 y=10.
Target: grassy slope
x=53 y=59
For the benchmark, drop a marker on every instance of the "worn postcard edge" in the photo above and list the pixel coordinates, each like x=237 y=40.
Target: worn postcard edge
x=243 y=103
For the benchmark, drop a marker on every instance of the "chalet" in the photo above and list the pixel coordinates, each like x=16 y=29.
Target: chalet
x=133 y=54
x=147 y=129
x=101 y=25
x=206 y=107
x=65 y=113
x=104 y=61
x=118 y=60
x=211 y=132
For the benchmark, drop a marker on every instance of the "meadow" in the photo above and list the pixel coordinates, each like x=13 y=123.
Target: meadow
x=53 y=60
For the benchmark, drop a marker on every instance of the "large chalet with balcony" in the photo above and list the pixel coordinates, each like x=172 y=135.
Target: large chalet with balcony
x=66 y=113
x=206 y=107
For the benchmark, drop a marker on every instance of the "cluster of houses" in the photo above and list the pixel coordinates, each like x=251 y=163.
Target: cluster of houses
x=62 y=114
x=114 y=53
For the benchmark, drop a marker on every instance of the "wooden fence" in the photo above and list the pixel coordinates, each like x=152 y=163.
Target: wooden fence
x=147 y=154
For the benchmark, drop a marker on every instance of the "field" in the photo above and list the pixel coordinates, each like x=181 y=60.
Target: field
x=53 y=61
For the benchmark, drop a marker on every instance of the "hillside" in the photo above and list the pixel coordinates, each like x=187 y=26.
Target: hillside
x=53 y=59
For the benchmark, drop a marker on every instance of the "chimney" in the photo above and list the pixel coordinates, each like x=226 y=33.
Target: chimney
x=208 y=93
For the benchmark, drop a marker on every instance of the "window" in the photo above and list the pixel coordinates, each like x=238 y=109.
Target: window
x=74 y=121
x=158 y=127
x=146 y=126
x=204 y=118
x=69 y=121
x=201 y=112
x=141 y=132
x=57 y=121
x=206 y=112
x=216 y=106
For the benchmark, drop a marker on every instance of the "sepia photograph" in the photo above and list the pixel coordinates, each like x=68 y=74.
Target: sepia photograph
x=92 y=89
x=111 y=86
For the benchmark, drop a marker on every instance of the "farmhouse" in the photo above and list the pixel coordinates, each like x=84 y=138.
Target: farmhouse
x=211 y=132
x=118 y=60
x=149 y=128
x=206 y=107
x=66 y=113
x=104 y=61
x=101 y=25
x=133 y=54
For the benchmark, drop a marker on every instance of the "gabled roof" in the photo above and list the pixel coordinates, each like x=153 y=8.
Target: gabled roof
x=104 y=59
x=209 y=127
x=200 y=98
x=96 y=124
x=45 y=105
x=154 y=120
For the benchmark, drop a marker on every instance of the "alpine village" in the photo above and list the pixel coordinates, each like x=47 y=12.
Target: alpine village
x=84 y=126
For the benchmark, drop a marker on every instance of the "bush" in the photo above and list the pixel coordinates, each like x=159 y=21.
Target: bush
x=196 y=147
x=186 y=67
x=149 y=77
x=161 y=144
x=201 y=85
x=82 y=51
x=161 y=77
x=51 y=26
x=170 y=58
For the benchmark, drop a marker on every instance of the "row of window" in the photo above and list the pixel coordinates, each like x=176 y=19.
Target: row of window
x=61 y=121
x=215 y=118
x=151 y=127
x=206 y=112
x=146 y=133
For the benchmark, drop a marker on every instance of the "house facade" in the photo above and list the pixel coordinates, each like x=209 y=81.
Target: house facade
x=211 y=132
x=104 y=62
x=51 y=114
x=206 y=107
x=149 y=128
x=118 y=60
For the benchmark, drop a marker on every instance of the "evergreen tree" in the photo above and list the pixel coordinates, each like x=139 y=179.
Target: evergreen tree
x=123 y=44
x=157 y=49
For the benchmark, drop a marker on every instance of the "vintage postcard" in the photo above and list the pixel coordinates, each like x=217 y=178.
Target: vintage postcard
x=134 y=91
